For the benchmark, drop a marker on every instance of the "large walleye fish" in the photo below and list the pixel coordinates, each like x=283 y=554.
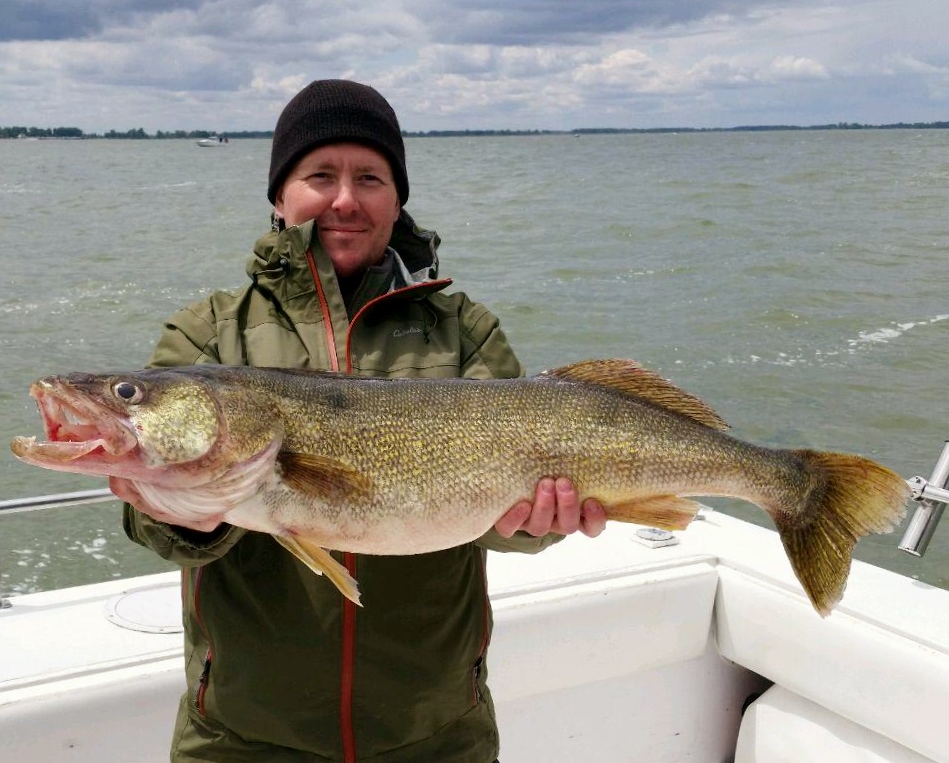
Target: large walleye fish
x=404 y=466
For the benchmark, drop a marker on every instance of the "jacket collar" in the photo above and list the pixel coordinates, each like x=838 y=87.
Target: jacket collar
x=279 y=266
x=285 y=252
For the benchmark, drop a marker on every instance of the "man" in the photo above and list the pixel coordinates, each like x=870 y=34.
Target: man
x=280 y=667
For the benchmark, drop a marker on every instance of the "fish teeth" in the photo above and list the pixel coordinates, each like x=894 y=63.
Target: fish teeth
x=66 y=423
x=72 y=417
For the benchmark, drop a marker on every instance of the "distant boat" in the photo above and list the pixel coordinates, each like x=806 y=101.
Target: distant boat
x=213 y=142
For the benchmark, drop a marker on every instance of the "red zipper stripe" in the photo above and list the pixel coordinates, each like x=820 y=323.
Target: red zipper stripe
x=428 y=285
x=205 y=677
x=348 y=670
x=325 y=310
x=348 y=648
x=348 y=653
x=485 y=634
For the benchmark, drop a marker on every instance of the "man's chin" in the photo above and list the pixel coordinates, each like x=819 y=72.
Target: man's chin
x=349 y=263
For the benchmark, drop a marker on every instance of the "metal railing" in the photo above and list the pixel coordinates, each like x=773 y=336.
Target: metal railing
x=932 y=497
x=41 y=502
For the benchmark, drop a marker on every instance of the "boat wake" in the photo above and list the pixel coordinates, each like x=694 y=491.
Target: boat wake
x=891 y=332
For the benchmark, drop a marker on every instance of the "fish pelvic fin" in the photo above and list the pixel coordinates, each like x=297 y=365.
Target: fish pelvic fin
x=630 y=378
x=855 y=497
x=321 y=562
x=322 y=477
x=667 y=512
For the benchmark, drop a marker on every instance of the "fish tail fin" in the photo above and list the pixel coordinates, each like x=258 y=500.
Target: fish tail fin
x=851 y=497
x=321 y=562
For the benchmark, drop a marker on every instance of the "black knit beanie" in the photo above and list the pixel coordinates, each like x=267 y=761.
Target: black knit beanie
x=336 y=111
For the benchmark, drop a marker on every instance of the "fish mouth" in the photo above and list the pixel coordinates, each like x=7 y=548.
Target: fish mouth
x=76 y=428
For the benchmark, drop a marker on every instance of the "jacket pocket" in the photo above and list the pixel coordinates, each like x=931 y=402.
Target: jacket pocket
x=201 y=687
x=477 y=682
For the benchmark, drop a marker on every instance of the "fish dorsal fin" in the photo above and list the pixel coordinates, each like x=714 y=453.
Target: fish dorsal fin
x=630 y=378
x=322 y=477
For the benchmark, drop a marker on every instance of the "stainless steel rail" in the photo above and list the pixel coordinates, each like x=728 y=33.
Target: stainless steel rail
x=932 y=498
x=40 y=502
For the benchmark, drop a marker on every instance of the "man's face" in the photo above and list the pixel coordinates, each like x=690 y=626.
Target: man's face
x=349 y=190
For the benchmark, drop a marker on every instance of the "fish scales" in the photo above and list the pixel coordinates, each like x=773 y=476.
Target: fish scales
x=446 y=439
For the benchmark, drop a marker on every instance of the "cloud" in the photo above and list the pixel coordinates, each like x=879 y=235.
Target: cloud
x=46 y=20
x=58 y=20
x=535 y=22
x=455 y=64
x=715 y=71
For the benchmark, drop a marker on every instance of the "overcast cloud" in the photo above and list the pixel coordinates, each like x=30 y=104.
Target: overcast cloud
x=474 y=64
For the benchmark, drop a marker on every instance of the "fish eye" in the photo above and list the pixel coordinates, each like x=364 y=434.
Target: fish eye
x=128 y=392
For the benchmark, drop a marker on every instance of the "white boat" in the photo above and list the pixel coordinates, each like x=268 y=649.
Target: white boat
x=218 y=141
x=623 y=648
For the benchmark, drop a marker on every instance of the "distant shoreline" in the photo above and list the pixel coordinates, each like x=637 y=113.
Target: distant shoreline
x=74 y=133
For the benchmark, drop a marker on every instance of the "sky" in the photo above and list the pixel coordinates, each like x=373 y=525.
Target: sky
x=230 y=65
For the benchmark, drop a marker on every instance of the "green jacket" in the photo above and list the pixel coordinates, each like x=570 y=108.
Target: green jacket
x=275 y=656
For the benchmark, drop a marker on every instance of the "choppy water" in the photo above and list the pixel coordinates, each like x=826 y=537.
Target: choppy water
x=797 y=281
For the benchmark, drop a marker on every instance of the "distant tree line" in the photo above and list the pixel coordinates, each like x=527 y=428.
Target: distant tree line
x=40 y=132
x=482 y=133
x=135 y=134
x=140 y=134
x=767 y=128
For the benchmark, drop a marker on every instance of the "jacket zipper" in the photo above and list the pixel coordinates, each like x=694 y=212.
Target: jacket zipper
x=348 y=656
x=202 y=687
x=477 y=696
x=325 y=311
x=347 y=673
x=205 y=678
x=427 y=286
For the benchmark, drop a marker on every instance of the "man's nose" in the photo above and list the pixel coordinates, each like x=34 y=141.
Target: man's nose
x=345 y=197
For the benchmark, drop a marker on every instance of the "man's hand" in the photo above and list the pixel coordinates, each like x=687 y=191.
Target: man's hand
x=125 y=490
x=556 y=508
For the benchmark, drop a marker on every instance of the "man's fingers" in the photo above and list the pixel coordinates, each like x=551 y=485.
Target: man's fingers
x=512 y=521
x=545 y=508
x=566 y=518
x=592 y=518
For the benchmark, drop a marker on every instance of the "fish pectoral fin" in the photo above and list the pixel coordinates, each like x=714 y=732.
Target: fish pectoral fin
x=321 y=562
x=630 y=378
x=323 y=477
x=667 y=512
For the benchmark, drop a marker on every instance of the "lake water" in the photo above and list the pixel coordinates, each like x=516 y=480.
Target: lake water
x=797 y=281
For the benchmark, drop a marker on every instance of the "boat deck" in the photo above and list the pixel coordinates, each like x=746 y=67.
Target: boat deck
x=604 y=649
